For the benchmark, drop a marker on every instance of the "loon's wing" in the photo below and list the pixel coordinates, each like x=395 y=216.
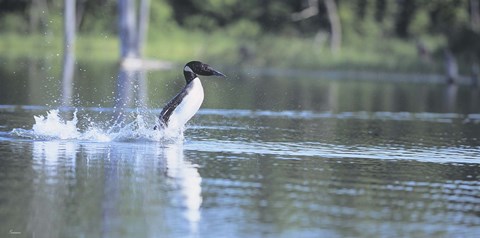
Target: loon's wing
x=170 y=107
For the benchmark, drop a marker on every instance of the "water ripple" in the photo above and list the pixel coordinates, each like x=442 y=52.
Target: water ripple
x=295 y=150
x=361 y=115
x=309 y=115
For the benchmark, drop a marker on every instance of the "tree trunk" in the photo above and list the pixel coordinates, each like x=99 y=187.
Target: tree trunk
x=68 y=51
x=143 y=25
x=69 y=26
x=335 y=25
x=127 y=31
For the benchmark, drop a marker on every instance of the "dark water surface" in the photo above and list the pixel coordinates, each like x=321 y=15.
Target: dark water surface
x=267 y=156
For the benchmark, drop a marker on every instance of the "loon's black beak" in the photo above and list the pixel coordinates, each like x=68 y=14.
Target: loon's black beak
x=216 y=73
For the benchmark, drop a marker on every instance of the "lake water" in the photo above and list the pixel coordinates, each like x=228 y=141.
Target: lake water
x=268 y=155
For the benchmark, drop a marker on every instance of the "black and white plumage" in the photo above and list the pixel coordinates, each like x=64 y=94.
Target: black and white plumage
x=181 y=108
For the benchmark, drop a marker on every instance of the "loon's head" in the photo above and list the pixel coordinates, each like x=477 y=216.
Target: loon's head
x=193 y=68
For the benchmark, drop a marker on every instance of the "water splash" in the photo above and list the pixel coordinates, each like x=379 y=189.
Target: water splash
x=54 y=127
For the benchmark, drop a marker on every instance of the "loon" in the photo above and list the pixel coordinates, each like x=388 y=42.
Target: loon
x=181 y=108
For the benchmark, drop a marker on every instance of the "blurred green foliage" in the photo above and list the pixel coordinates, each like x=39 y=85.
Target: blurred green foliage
x=264 y=32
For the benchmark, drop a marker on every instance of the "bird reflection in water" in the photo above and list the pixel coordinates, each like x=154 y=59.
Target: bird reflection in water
x=188 y=181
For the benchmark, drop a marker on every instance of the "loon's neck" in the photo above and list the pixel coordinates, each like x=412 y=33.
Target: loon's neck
x=189 y=74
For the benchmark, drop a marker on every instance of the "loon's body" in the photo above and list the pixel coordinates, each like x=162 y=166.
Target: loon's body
x=181 y=108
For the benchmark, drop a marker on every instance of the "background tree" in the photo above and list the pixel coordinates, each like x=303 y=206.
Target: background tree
x=132 y=28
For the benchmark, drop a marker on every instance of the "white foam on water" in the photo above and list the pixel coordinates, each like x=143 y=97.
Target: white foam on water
x=53 y=126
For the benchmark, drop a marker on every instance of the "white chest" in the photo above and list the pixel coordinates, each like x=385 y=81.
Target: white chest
x=189 y=105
